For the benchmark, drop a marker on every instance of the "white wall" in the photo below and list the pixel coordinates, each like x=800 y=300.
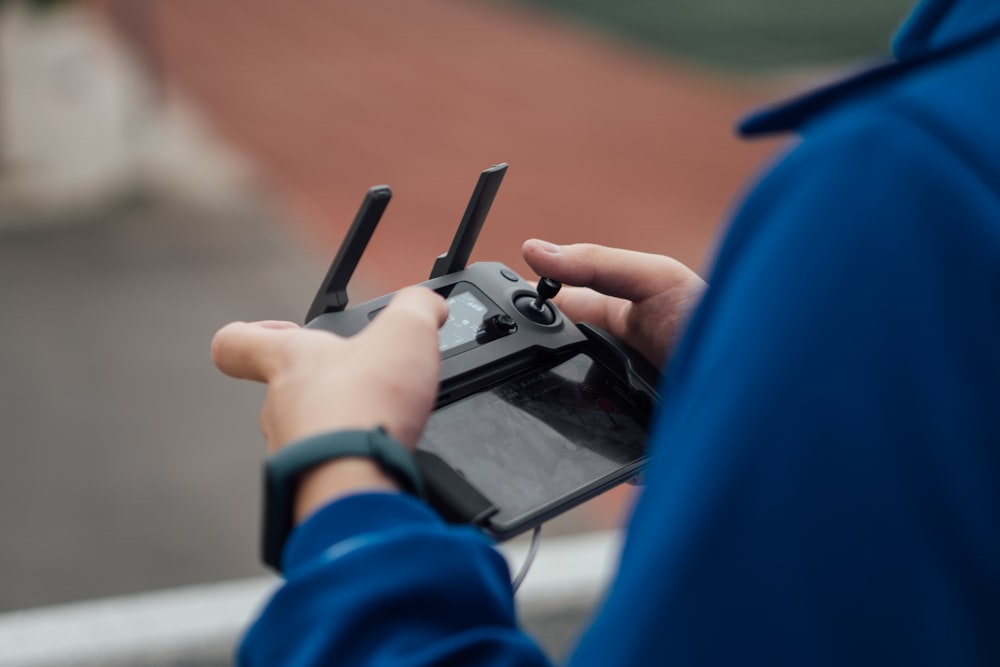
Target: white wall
x=80 y=126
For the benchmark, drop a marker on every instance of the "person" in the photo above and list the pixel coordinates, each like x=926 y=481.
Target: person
x=825 y=478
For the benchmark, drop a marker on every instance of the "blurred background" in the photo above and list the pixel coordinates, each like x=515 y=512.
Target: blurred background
x=167 y=166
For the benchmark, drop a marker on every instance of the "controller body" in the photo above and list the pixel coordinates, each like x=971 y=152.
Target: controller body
x=476 y=352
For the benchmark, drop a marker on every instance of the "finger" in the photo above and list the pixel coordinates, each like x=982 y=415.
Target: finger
x=413 y=307
x=410 y=321
x=404 y=337
x=251 y=351
x=621 y=273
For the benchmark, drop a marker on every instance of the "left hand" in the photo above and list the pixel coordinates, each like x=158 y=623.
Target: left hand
x=317 y=381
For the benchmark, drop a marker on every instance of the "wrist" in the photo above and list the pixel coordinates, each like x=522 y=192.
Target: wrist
x=334 y=479
x=329 y=465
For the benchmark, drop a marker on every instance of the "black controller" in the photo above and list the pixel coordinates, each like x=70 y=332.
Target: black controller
x=534 y=414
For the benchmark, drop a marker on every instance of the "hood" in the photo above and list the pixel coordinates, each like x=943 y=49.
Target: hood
x=934 y=29
x=938 y=24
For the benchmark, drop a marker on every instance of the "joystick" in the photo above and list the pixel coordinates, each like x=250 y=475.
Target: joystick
x=547 y=288
x=536 y=309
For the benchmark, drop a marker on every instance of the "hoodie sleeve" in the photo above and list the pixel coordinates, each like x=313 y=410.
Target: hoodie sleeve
x=379 y=579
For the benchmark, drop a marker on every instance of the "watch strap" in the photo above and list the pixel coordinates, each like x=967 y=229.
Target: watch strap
x=284 y=469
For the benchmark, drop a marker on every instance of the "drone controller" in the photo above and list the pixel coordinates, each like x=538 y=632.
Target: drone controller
x=534 y=414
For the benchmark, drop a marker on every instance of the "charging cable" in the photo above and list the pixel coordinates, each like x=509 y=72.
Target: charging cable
x=532 y=550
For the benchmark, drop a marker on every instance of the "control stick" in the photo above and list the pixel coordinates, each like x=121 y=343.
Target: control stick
x=547 y=288
x=536 y=309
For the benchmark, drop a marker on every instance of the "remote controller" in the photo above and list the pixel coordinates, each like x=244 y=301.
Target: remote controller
x=522 y=388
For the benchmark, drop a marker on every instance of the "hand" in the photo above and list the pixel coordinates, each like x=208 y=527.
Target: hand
x=642 y=299
x=318 y=382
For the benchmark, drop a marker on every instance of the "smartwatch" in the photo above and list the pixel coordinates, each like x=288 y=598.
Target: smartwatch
x=284 y=469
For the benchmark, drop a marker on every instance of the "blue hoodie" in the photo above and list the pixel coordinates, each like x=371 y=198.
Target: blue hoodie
x=825 y=488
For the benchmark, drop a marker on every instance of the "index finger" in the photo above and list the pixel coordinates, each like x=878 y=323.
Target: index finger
x=415 y=310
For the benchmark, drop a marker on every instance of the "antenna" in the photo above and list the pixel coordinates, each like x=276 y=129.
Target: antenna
x=332 y=294
x=472 y=222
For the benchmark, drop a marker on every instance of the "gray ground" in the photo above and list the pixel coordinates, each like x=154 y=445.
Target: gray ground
x=127 y=461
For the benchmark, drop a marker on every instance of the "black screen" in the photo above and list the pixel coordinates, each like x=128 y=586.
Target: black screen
x=540 y=438
x=465 y=321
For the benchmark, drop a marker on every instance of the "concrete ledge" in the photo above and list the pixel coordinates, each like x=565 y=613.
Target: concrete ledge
x=200 y=625
x=156 y=628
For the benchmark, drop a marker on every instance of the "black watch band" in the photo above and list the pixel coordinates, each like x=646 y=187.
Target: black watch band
x=283 y=470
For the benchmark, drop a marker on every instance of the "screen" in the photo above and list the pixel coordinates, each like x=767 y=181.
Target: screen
x=465 y=319
x=539 y=438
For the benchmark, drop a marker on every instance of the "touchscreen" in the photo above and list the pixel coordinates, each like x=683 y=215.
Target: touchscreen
x=465 y=321
x=538 y=438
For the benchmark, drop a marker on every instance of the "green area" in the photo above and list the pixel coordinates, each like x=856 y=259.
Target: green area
x=746 y=34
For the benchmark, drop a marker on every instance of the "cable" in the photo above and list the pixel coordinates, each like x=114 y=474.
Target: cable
x=532 y=550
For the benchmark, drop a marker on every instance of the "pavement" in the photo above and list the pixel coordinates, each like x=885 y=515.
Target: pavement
x=607 y=142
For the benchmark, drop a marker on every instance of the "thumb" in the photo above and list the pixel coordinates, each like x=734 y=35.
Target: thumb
x=252 y=351
x=626 y=274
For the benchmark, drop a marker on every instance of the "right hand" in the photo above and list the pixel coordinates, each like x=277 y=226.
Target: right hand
x=643 y=299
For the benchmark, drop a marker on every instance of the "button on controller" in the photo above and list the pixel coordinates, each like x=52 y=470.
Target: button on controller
x=509 y=275
x=536 y=309
x=501 y=324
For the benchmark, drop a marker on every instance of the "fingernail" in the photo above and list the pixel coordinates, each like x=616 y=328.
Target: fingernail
x=276 y=324
x=548 y=247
